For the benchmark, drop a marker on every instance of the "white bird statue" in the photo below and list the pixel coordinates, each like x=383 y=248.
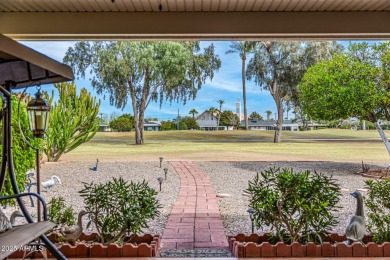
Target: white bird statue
x=72 y=233
x=356 y=227
x=48 y=184
x=6 y=224
x=14 y=215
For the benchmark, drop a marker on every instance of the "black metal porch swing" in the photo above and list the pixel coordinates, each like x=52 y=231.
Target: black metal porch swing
x=23 y=67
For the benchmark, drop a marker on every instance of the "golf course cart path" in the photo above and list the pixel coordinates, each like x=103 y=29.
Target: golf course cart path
x=195 y=221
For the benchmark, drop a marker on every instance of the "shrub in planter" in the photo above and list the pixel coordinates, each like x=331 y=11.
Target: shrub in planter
x=378 y=203
x=296 y=205
x=60 y=214
x=118 y=208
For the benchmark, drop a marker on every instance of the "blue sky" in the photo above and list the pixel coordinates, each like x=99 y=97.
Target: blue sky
x=226 y=85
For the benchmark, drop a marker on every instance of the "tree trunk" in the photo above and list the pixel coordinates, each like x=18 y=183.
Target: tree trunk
x=138 y=139
x=244 y=92
x=383 y=136
x=278 y=128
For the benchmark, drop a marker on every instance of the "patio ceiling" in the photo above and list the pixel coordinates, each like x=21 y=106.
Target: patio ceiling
x=27 y=67
x=195 y=19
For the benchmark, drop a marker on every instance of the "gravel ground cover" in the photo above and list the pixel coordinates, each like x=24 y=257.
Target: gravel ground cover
x=233 y=177
x=73 y=174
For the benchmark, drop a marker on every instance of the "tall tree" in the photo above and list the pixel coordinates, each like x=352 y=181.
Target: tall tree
x=255 y=115
x=193 y=112
x=220 y=102
x=243 y=48
x=279 y=66
x=73 y=120
x=354 y=84
x=229 y=118
x=269 y=113
x=144 y=72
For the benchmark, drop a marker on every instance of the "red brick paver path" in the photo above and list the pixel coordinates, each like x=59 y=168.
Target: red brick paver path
x=195 y=221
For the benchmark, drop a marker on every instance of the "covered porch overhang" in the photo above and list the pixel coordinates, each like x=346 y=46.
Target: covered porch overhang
x=195 y=19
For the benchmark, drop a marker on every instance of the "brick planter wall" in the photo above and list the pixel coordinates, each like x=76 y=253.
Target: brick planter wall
x=257 y=246
x=138 y=246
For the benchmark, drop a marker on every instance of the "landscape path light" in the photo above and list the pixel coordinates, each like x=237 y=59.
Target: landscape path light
x=251 y=212
x=161 y=159
x=165 y=172
x=160 y=181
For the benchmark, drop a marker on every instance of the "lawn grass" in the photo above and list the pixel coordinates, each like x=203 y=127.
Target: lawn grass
x=234 y=146
x=241 y=135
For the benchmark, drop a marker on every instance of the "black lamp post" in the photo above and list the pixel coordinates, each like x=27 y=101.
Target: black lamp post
x=165 y=172
x=38 y=116
x=251 y=212
x=161 y=159
x=160 y=181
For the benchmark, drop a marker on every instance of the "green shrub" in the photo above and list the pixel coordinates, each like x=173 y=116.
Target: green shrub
x=73 y=120
x=378 y=203
x=24 y=155
x=117 y=208
x=124 y=123
x=166 y=126
x=296 y=205
x=59 y=214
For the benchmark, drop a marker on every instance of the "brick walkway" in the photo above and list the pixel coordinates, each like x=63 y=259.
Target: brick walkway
x=195 y=221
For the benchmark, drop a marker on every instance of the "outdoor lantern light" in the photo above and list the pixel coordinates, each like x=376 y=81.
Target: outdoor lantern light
x=251 y=211
x=38 y=115
x=165 y=172
x=160 y=181
x=161 y=159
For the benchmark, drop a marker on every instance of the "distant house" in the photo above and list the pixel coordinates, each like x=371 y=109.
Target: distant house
x=208 y=121
x=104 y=128
x=151 y=125
x=256 y=124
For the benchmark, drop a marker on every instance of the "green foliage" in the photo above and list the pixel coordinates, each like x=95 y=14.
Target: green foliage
x=190 y=122
x=279 y=66
x=193 y=112
x=369 y=125
x=73 y=120
x=124 y=123
x=296 y=205
x=229 y=118
x=166 y=125
x=59 y=214
x=117 y=207
x=24 y=155
x=183 y=126
x=378 y=203
x=350 y=85
x=255 y=115
x=144 y=72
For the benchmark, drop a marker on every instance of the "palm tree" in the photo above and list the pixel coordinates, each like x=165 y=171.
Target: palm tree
x=243 y=48
x=212 y=111
x=221 y=102
x=193 y=112
x=269 y=113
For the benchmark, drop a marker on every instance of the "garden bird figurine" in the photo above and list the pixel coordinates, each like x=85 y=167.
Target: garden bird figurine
x=72 y=233
x=356 y=227
x=95 y=167
x=48 y=184
x=14 y=215
x=5 y=223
